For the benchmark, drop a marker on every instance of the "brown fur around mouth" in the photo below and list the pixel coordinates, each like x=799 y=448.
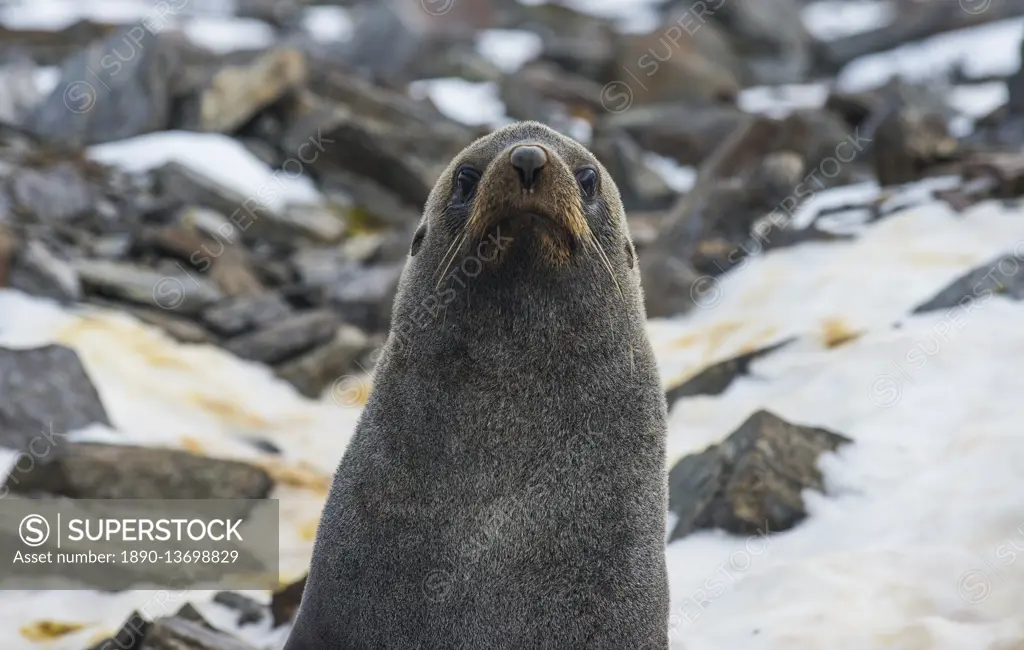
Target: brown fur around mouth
x=555 y=197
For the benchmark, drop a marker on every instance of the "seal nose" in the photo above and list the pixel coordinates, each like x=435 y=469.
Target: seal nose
x=528 y=161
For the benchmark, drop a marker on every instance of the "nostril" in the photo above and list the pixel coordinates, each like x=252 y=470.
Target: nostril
x=528 y=161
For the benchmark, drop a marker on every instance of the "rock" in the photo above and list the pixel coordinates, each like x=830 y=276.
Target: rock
x=51 y=192
x=751 y=482
x=249 y=611
x=182 y=184
x=286 y=338
x=675 y=64
x=577 y=42
x=8 y=246
x=178 y=328
x=38 y=272
x=364 y=295
x=237 y=93
x=715 y=379
x=318 y=223
x=543 y=91
x=114 y=89
x=49 y=47
x=241 y=315
x=234 y=275
x=1001 y=276
x=319 y=368
x=129 y=637
x=175 y=633
x=180 y=292
x=769 y=36
x=640 y=187
x=101 y=471
x=911 y=134
x=393 y=39
x=350 y=143
x=45 y=392
x=686 y=132
x=284 y=603
x=366 y=205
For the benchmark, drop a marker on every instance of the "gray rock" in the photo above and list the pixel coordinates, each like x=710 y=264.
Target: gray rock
x=52 y=193
x=241 y=315
x=38 y=272
x=174 y=633
x=715 y=379
x=114 y=89
x=182 y=184
x=129 y=637
x=286 y=338
x=249 y=611
x=751 y=482
x=364 y=295
x=99 y=471
x=319 y=223
x=1001 y=277
x=641 y=188
x=285 y=602
x=185 y=294
x=45 y=392
x=314 y=371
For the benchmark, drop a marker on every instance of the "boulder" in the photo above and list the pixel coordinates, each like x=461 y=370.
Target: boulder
x=45 y=392
x=753 y=480
x=101 y=471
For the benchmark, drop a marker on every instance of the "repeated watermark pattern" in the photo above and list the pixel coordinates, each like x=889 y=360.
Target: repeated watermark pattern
x=975 y=7
x=886 y=389
x=80 y=96
x=707 y=291
x=975 y=585
x=351 y=389
x=718 y=582
x=617 y=96
x=169 y=292
x=25 y=462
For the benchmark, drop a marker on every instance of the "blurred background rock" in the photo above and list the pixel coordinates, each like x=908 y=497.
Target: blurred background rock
x=247 y=175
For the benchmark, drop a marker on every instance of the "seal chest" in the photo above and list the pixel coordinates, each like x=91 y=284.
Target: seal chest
x=506 y=484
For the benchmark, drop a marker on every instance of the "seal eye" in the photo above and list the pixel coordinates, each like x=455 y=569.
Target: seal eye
x=417 y=240
x=465 y=182
x=587 y=178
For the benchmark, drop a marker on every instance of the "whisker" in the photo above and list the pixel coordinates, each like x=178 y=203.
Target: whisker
x=455 y=253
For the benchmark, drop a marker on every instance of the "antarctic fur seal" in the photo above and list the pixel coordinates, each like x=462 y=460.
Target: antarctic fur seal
x=505 y=487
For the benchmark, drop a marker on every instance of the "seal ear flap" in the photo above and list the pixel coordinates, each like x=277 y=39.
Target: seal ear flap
x=417 y=240
x=630 y=255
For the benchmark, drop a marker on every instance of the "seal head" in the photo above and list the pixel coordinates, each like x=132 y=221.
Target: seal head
x=505 y=487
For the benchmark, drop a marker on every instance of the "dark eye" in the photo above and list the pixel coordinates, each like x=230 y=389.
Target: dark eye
x=587 y=178
x=417 y=240
x=465 y=182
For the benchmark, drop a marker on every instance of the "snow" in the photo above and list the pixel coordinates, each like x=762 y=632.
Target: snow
x=631 y=16
x=910 y=547
x=915 y=545
x=58 y=14
x=214 y=156
x=998 y=54
x=829 y=19
x=508 y=49
x=473 y=103
x=679 y=177
x=227 y=34
x=328 y=24
x=778 y=101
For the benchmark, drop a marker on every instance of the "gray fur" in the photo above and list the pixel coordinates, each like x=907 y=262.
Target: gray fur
x=505 y=487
